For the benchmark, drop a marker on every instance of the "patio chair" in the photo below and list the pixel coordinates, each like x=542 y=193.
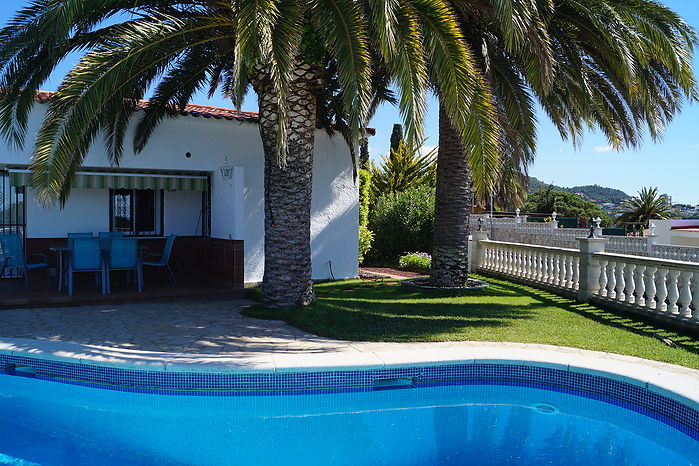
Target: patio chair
x=13 y=257
x=162 y=260
x=85 y=255
x=106 y=236
x=123 y=255
x=72 y=236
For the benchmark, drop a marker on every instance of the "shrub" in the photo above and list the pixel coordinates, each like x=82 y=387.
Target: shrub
x=415 y=262
x=402 y=222
x=403 y=169
x=365 y=235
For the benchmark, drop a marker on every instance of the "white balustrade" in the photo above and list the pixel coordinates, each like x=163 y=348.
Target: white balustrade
x=661 y=289
x=651 y=290
x=519 y=230
x=556 y=267
x=686 y=293
x=659 y=286
x=677 y=253
x=636 y=245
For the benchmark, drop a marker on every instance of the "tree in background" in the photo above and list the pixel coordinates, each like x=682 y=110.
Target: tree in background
x=564 y=204
x=365 y=235
x=648 y=205
x=364 y=154
x=402 y=192
x=404 y=168
x=396 y=137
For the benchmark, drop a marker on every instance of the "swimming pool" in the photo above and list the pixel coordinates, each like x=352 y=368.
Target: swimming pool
x=442 y=415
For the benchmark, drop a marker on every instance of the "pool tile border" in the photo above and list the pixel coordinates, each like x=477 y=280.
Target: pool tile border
x=637 y=398
x=664 y=392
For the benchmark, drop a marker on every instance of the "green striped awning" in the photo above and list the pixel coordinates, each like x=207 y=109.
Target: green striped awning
x=104 y=180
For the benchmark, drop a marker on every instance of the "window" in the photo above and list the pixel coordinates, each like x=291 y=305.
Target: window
x=137 y=212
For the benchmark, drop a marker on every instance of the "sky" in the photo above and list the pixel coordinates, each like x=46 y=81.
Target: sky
x=672 y=164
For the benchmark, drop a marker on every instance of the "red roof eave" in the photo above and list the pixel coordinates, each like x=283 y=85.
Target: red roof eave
x=195 y=110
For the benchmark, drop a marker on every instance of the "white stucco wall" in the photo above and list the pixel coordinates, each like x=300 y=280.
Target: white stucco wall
x=667 y=236
x=86 y=210
x=662 y=231
x=237 y=210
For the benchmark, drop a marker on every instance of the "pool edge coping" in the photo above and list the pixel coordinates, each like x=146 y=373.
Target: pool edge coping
x=676 y=382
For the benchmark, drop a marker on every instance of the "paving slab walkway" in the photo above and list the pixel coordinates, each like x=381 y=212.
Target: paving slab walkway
x=199 y=327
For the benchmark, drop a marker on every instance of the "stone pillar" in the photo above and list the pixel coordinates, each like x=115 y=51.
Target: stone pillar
x=477 y=249
x=589 y=267
x=554 y=222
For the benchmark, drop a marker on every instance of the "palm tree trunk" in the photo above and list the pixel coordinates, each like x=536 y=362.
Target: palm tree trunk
x=452 y=208
x=287 y=276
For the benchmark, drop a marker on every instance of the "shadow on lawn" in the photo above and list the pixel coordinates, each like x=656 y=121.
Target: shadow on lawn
x=391 y=313
x=387 y=312
x=631 y=322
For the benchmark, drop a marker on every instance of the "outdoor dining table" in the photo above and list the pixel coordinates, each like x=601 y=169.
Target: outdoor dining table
x=62 y=250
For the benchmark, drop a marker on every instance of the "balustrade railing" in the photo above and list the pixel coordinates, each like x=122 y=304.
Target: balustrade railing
x=555 y=267
x=678 y=253
x=659 y=286
x=519 y=230
x=636 y=245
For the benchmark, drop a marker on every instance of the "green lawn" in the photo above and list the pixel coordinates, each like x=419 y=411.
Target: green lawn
x=375 y=311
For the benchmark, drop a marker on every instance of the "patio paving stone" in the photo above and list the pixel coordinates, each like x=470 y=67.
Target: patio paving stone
x=200 y=327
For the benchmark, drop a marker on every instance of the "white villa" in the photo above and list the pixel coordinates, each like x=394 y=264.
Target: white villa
x=677 y=232
x=200 y=177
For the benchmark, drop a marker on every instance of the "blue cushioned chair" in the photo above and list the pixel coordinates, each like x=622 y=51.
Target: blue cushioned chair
x=106 y=236
x=162 y=260
x=123 y=255
x=85 y=255
x=72 y=236
x=13 y=257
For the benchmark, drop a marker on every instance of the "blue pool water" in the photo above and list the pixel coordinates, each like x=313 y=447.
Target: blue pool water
x=51 y=423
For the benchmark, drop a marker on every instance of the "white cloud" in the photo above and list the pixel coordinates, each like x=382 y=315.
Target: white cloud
x=603 y=148
x=425 y=149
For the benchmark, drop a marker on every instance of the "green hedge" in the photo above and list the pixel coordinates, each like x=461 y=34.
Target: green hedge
x=366 y=237
x=418 y=262
x=402 y=222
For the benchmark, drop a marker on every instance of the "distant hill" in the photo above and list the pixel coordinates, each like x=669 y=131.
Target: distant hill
x=593 y=193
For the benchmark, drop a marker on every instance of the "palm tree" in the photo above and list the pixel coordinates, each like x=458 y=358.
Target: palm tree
x=179 y=48
x=648 y=205
x=621 y=66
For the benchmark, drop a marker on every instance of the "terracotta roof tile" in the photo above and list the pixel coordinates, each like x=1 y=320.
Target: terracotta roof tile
x=194 y=110
x=189 y=110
